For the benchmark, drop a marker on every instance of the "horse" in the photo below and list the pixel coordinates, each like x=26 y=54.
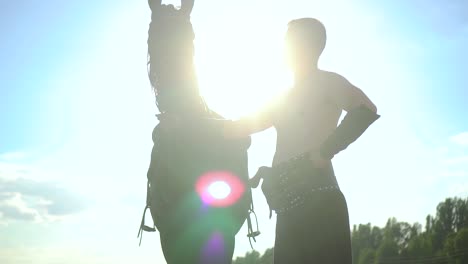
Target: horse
x=195 y=226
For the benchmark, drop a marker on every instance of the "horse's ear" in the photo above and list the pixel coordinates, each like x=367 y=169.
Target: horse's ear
x=187 y=6
x=154 y=4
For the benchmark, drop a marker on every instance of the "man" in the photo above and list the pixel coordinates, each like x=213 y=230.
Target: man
x=312 y=217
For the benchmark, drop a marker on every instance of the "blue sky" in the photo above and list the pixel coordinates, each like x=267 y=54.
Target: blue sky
x=76 y=113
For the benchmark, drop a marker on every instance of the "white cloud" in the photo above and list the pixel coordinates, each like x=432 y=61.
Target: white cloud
x=13 y=206
x=11 y=171
x=23 y=198
x=460 y=139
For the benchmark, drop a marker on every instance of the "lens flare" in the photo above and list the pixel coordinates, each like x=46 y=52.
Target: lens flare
x=214 y=250
x=219 y=188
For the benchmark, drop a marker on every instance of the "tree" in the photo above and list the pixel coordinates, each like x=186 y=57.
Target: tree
x=461 y=247
x=388 y=250
x=419 y=247
x=444 y=240
x=362 y=239
x=267 y=257
x=399 y=232
x=252 y=257
x=461 y=214
x=366 y=256
x=444 y=223
x=449 y=248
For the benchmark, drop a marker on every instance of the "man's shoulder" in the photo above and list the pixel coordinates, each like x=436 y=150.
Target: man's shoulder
x=336 y=88
x=332 y=77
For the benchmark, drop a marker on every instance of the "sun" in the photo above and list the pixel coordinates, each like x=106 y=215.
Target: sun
x=240 y=73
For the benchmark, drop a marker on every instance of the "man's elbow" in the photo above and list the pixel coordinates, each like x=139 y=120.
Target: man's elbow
x=366 y=104
x=372 y=107
x=359 y=98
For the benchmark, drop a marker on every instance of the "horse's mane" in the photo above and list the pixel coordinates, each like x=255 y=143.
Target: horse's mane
x=171 y=68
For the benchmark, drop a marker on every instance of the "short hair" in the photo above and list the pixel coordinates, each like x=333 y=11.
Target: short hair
x=308 y=30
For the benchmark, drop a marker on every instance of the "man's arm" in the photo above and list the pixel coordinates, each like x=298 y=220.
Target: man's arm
x=361 y=113
x=229 y=129
x=248 y=125
x=346 y=96
x=258 y=121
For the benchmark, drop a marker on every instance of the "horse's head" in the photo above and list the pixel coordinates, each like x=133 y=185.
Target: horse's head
x=171 y=57
x=185 y=9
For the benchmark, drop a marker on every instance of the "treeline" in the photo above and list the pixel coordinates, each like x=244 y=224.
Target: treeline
x=444 y=239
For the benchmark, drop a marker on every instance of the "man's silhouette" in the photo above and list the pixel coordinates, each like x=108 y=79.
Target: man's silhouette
x=312 y=215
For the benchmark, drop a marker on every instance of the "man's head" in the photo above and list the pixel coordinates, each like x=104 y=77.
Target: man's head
x=305 y=41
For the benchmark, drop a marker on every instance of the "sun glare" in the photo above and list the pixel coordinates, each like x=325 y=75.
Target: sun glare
x=238 y=73
x=219 y=190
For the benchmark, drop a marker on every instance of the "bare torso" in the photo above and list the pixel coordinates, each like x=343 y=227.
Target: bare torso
x=305 y=117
